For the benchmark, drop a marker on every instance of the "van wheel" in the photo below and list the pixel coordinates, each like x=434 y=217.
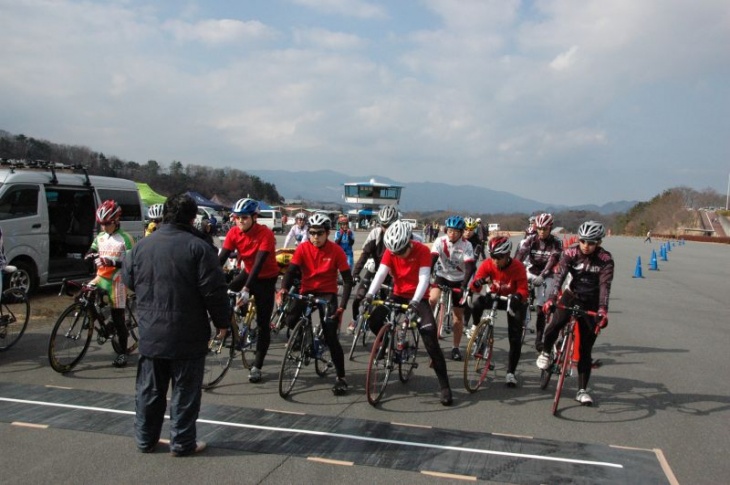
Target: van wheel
x=24 y=278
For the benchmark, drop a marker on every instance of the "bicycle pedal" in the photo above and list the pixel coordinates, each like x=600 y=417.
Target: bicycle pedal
x=491 y=366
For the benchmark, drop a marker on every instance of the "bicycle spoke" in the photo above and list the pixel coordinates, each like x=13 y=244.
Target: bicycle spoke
x=221 y=353
x=379 y=366
x=14 y=314
x=70 y=338
x=291 y=364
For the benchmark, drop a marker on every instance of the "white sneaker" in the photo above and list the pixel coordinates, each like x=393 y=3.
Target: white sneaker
x=254 y=375
x=468 y=332
x=511 y=380
x=543 y=361
x=584 y=398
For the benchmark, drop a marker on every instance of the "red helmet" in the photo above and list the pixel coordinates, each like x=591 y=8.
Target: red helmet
x=500 y=245
x=544 y=220
x=109 y=211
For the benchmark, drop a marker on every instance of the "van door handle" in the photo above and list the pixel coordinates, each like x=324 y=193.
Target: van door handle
x=36 y=226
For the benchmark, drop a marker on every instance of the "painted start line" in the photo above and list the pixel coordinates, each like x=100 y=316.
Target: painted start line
x=452 y=454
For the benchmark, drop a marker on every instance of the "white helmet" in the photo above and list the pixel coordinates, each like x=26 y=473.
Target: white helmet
x=591 y=231
x=397 y=236
x=320 y=220
x=301 y=215
x=387 y=215
x=155 y=211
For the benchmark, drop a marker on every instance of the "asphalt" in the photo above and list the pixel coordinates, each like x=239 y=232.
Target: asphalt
x=661 y=409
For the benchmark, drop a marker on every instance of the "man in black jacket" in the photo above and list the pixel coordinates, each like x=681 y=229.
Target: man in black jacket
x=178 y=283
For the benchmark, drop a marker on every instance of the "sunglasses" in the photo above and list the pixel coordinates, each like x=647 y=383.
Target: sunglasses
x=588 y=243
x=497 y=256
x=402 y=251
x=316 y=233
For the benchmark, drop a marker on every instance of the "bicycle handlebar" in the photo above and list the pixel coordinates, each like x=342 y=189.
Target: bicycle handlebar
x=576 y=310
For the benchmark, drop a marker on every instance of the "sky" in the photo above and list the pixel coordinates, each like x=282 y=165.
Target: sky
x=562 y=101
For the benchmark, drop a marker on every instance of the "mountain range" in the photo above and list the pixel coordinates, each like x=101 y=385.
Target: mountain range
x=327 y=186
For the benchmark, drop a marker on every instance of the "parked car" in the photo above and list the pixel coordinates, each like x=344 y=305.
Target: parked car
x=271 y=218
x=48 y=221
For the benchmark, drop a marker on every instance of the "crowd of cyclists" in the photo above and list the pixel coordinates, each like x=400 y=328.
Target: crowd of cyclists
x=461 y=258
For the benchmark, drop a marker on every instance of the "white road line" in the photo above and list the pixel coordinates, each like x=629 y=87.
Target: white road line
x=337 y=435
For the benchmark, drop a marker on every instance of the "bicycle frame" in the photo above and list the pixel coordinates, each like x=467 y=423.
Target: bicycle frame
x=443 y=311
x=480 y=349
x=396 y=343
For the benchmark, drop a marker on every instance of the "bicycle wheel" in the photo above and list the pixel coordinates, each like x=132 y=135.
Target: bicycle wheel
x=442 y=318
x=294 y=356
x=248 y=336
x=70 y=338
x=546 y=374
x=14 y=314
x=408 y=354
x=478 y=358
x=361 y=332
x=130 y=321
x=564 y=365
x=380 y=365
x=220 y=355
x=323 y=363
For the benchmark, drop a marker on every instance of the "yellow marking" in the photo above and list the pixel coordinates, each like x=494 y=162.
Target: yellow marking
x=57 y=387
x=660 y=458
x=29 y=425
x=450 y=476
x=298 y=413
x=411 y=425
x=514 y=435
x=330 y=462
x=164 y=441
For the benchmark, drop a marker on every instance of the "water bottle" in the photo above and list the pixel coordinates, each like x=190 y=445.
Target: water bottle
x=400 y=342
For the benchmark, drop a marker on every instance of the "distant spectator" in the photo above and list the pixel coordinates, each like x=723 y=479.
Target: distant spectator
x=648 y=237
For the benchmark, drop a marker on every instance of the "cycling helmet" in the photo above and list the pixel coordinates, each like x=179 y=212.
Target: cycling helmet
x=470 y=223
x=283 y=258
x=591 y=231
x=342 y=219
x=388 y=215
x=397 y=236
x=246 y=207
x=532 y=219
x=301 y=215
x=455 y=222
x=530 y=230
x=155 y=211
x=479 y=219
x=108 y=212
x=500 y=245
x=320 y=220
x=544 y=220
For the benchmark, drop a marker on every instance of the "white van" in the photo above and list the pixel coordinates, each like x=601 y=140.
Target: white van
x=48 y=220
x=271 y=219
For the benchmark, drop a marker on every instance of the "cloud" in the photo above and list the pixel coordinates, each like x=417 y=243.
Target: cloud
x=347 y=8
x=565 y=60
x=221 y=31
x=326 y=39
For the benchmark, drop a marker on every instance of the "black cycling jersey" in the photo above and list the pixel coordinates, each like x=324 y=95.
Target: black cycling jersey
x=540 y=255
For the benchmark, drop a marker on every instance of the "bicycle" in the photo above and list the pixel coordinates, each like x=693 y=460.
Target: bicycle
x=442 y=312
x=14 y=313
x=305 y=344
x=528 y=311
x=396 y=343
x=72 y=333
x=241 y=337
x=480 y=349
x=565 y=354
x=361 y=331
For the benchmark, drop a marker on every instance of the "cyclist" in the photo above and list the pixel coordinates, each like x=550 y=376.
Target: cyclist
x=591 y=270
x=471 y=234
x=154 y=214
x=372 y=251
x=507 y=277
x=108 y=251
x=298 y=231
x=540 y=253
x=409 y=263
x=345 y=238
x=453 y=264
x=483 y=232
x=256 y=247
x=530 y=226
x=316 y=263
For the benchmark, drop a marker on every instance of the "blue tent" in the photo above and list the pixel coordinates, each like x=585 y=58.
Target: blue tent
x=204 y=201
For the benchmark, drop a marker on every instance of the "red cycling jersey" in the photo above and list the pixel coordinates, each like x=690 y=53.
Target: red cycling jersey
x=319 y=266
x=405 y=270
x=258 y=238
x=512 y=279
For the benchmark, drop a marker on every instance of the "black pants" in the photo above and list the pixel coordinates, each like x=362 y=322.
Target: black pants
x=263 y=292
x=587 y=334
x=514 y=326
x=427 y=329
x=329 y=328
x=153 y=379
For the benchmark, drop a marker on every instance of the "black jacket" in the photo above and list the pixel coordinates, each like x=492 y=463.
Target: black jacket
x=178 y=283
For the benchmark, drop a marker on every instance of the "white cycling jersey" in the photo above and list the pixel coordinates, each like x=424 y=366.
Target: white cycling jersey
x=452 y=257
x=297 y=234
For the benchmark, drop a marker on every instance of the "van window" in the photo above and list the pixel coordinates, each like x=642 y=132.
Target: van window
x=128 y=199
x=19 y=201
